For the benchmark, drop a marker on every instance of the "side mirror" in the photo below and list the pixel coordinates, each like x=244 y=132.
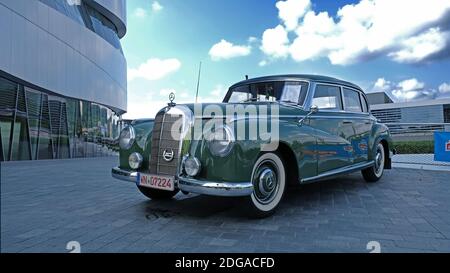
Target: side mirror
x=312 y=110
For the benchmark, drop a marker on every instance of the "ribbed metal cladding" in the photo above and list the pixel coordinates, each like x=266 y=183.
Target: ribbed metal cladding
x=163 y=139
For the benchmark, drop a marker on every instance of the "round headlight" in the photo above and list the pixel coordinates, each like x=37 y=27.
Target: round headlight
x=220 y=141
x=127 y=137
x=135 y=160
x=192 y=166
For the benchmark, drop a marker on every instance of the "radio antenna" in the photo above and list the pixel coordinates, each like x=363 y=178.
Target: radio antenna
x=198 y=81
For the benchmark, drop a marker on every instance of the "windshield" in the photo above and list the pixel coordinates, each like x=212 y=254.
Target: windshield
x=289 y=91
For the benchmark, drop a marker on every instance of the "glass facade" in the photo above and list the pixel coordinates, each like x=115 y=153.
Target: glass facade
x=36 y=125
x=88 y=17
x=104 y=27
x=63 y=6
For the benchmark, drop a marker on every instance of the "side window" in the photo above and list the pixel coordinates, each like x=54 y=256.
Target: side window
x=364 y=104
x=294 y=92
x=327 y=97
x=352 y=101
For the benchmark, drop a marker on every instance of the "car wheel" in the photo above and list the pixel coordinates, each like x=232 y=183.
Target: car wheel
x=157 y=194
x=269 y=184
x=374 y=173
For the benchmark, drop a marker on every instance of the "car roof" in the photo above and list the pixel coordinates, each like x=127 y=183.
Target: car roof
x=307 y=77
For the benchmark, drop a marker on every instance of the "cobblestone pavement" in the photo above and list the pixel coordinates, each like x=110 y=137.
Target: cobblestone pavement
x=46 y=204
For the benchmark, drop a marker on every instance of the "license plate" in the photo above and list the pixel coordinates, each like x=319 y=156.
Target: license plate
x=159 y=182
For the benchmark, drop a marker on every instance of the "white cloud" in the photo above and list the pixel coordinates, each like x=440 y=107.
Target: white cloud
x=275 y=42
x=252 y=40
x=403 y=30
x=417 y=48
x=381 y=85
x=410 y=89
x=140 y=13
x=225 y=50
x=291 y=11
x=444 y=88
x=156 y=6
x=411 y=85
x=263 y=63
x=413 y=89
x=154 y=69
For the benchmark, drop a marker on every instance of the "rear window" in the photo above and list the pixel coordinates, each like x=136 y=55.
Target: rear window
x=352 y=100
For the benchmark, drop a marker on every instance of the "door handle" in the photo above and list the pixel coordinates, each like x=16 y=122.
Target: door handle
x=347 y=122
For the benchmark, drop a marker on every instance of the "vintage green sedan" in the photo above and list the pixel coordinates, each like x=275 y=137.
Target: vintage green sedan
x=320 y=127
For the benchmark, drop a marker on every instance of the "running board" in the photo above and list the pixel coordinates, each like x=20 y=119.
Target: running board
x=337 y=172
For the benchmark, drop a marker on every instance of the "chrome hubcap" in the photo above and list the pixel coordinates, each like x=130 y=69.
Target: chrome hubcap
x=266 y=183
x=379 y=161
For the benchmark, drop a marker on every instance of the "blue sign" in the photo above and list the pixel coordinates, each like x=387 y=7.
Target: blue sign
x=442 y=146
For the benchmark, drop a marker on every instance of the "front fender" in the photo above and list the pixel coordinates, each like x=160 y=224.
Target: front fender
x=142 y=145
x=238 y=165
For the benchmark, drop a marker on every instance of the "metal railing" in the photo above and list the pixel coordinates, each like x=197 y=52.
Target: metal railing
x=417 y=128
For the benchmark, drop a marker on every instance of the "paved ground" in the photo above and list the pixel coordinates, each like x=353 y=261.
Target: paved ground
x=46 y=204
x=420 y=161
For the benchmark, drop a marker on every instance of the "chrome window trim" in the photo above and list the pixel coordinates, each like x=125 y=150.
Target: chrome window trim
x=359 y=97
x=327 y=84
x=341 y=87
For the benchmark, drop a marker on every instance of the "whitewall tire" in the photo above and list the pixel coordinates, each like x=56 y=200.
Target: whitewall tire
x=269 y=184
x=374 y=173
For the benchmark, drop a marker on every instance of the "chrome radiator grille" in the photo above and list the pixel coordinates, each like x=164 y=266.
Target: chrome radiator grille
x=163 y=140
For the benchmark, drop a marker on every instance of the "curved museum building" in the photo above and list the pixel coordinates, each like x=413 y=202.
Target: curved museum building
x=63 y=84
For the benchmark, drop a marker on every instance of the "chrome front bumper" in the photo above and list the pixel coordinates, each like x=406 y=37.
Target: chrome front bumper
x=196 y=186
x=215 y=188
x=128 y=176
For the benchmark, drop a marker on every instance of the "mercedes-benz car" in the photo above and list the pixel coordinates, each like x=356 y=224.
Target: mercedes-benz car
x=320 y=127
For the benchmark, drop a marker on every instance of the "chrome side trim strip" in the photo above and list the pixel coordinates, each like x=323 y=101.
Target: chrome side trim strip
x=337 y=172
x=120 y=174
x=215 y=188
x=302 y=116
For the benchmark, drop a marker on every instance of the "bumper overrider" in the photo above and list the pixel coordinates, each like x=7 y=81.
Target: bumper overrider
x=193 y=185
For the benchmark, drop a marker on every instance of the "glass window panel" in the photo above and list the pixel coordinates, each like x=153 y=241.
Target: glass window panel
x=34 y=113
x=63 y=149
x=20 y=142
x=45 y=150
x=67 y=8
x=1 y=146
x=72 y=119
x=104 y=27
x=294 y=92
x=55 y=123
x=5 y=129
x=351 y=101
x=8 y=93
x=266 y=91
x=327 y=97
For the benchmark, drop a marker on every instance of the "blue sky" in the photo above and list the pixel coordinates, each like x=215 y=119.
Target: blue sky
x=365 y=42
